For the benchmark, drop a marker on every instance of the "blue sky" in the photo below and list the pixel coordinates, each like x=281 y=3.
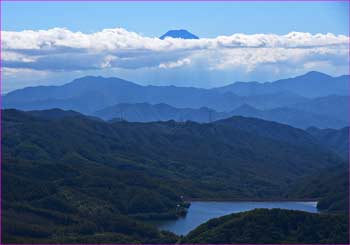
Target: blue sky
x=206 y=19
x=47 y=43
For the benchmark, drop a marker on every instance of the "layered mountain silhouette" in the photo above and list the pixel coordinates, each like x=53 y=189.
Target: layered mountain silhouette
x=292 y=101
x=145 y=112
x=297 y=116
x=311 y=85
x=89 y=94
x=184 y=34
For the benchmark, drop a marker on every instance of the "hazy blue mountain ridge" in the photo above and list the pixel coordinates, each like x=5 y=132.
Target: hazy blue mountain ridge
x=145 y=112
x=311 y=85
x=284 y=101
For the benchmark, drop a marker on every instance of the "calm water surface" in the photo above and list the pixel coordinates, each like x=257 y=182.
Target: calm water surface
x=200 y=212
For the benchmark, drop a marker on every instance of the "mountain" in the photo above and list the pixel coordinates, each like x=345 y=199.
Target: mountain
x=310 y=85
x=275 y=226
x=184 y=34
x=57 y=113
x=268 y=129
x=323 y=112
x=273 y=100
x=296 y=117
x=90 y=94
x=144 y=112
x=334 y=105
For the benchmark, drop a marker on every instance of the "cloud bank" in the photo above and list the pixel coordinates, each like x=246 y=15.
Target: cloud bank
x=61 y=50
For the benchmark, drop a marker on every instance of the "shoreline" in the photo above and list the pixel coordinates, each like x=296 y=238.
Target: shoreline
x=249 y=200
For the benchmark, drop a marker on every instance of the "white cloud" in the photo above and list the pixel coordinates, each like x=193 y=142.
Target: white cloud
x=107 y=61
x=62 y=50
x=121 y=39
x=13 y=56
x=177 y=63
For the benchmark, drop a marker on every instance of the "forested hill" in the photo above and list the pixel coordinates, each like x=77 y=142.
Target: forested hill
x=217 y=153
x=72 y=178
x=335 y=139
x=330 y=186
x=272 y=226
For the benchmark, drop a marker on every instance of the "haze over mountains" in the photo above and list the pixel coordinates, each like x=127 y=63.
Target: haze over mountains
x=144 y=112
x=313 y=99
x=312 y=84
x=133 y=153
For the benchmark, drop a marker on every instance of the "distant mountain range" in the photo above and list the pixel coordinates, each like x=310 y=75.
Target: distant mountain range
x=145 y=112
x=291 y=101
x=184 y=34
x=312 y=84
x=297 y=116
x=89 y=94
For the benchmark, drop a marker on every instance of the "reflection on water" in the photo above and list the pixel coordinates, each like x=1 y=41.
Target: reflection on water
x=200 y=212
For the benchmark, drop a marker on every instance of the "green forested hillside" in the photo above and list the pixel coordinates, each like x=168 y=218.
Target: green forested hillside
x=335 y=139
x=72 y=178
x=330 y=187
x=272 y=226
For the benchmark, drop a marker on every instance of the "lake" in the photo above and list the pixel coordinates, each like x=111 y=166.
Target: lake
x=202 y=211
